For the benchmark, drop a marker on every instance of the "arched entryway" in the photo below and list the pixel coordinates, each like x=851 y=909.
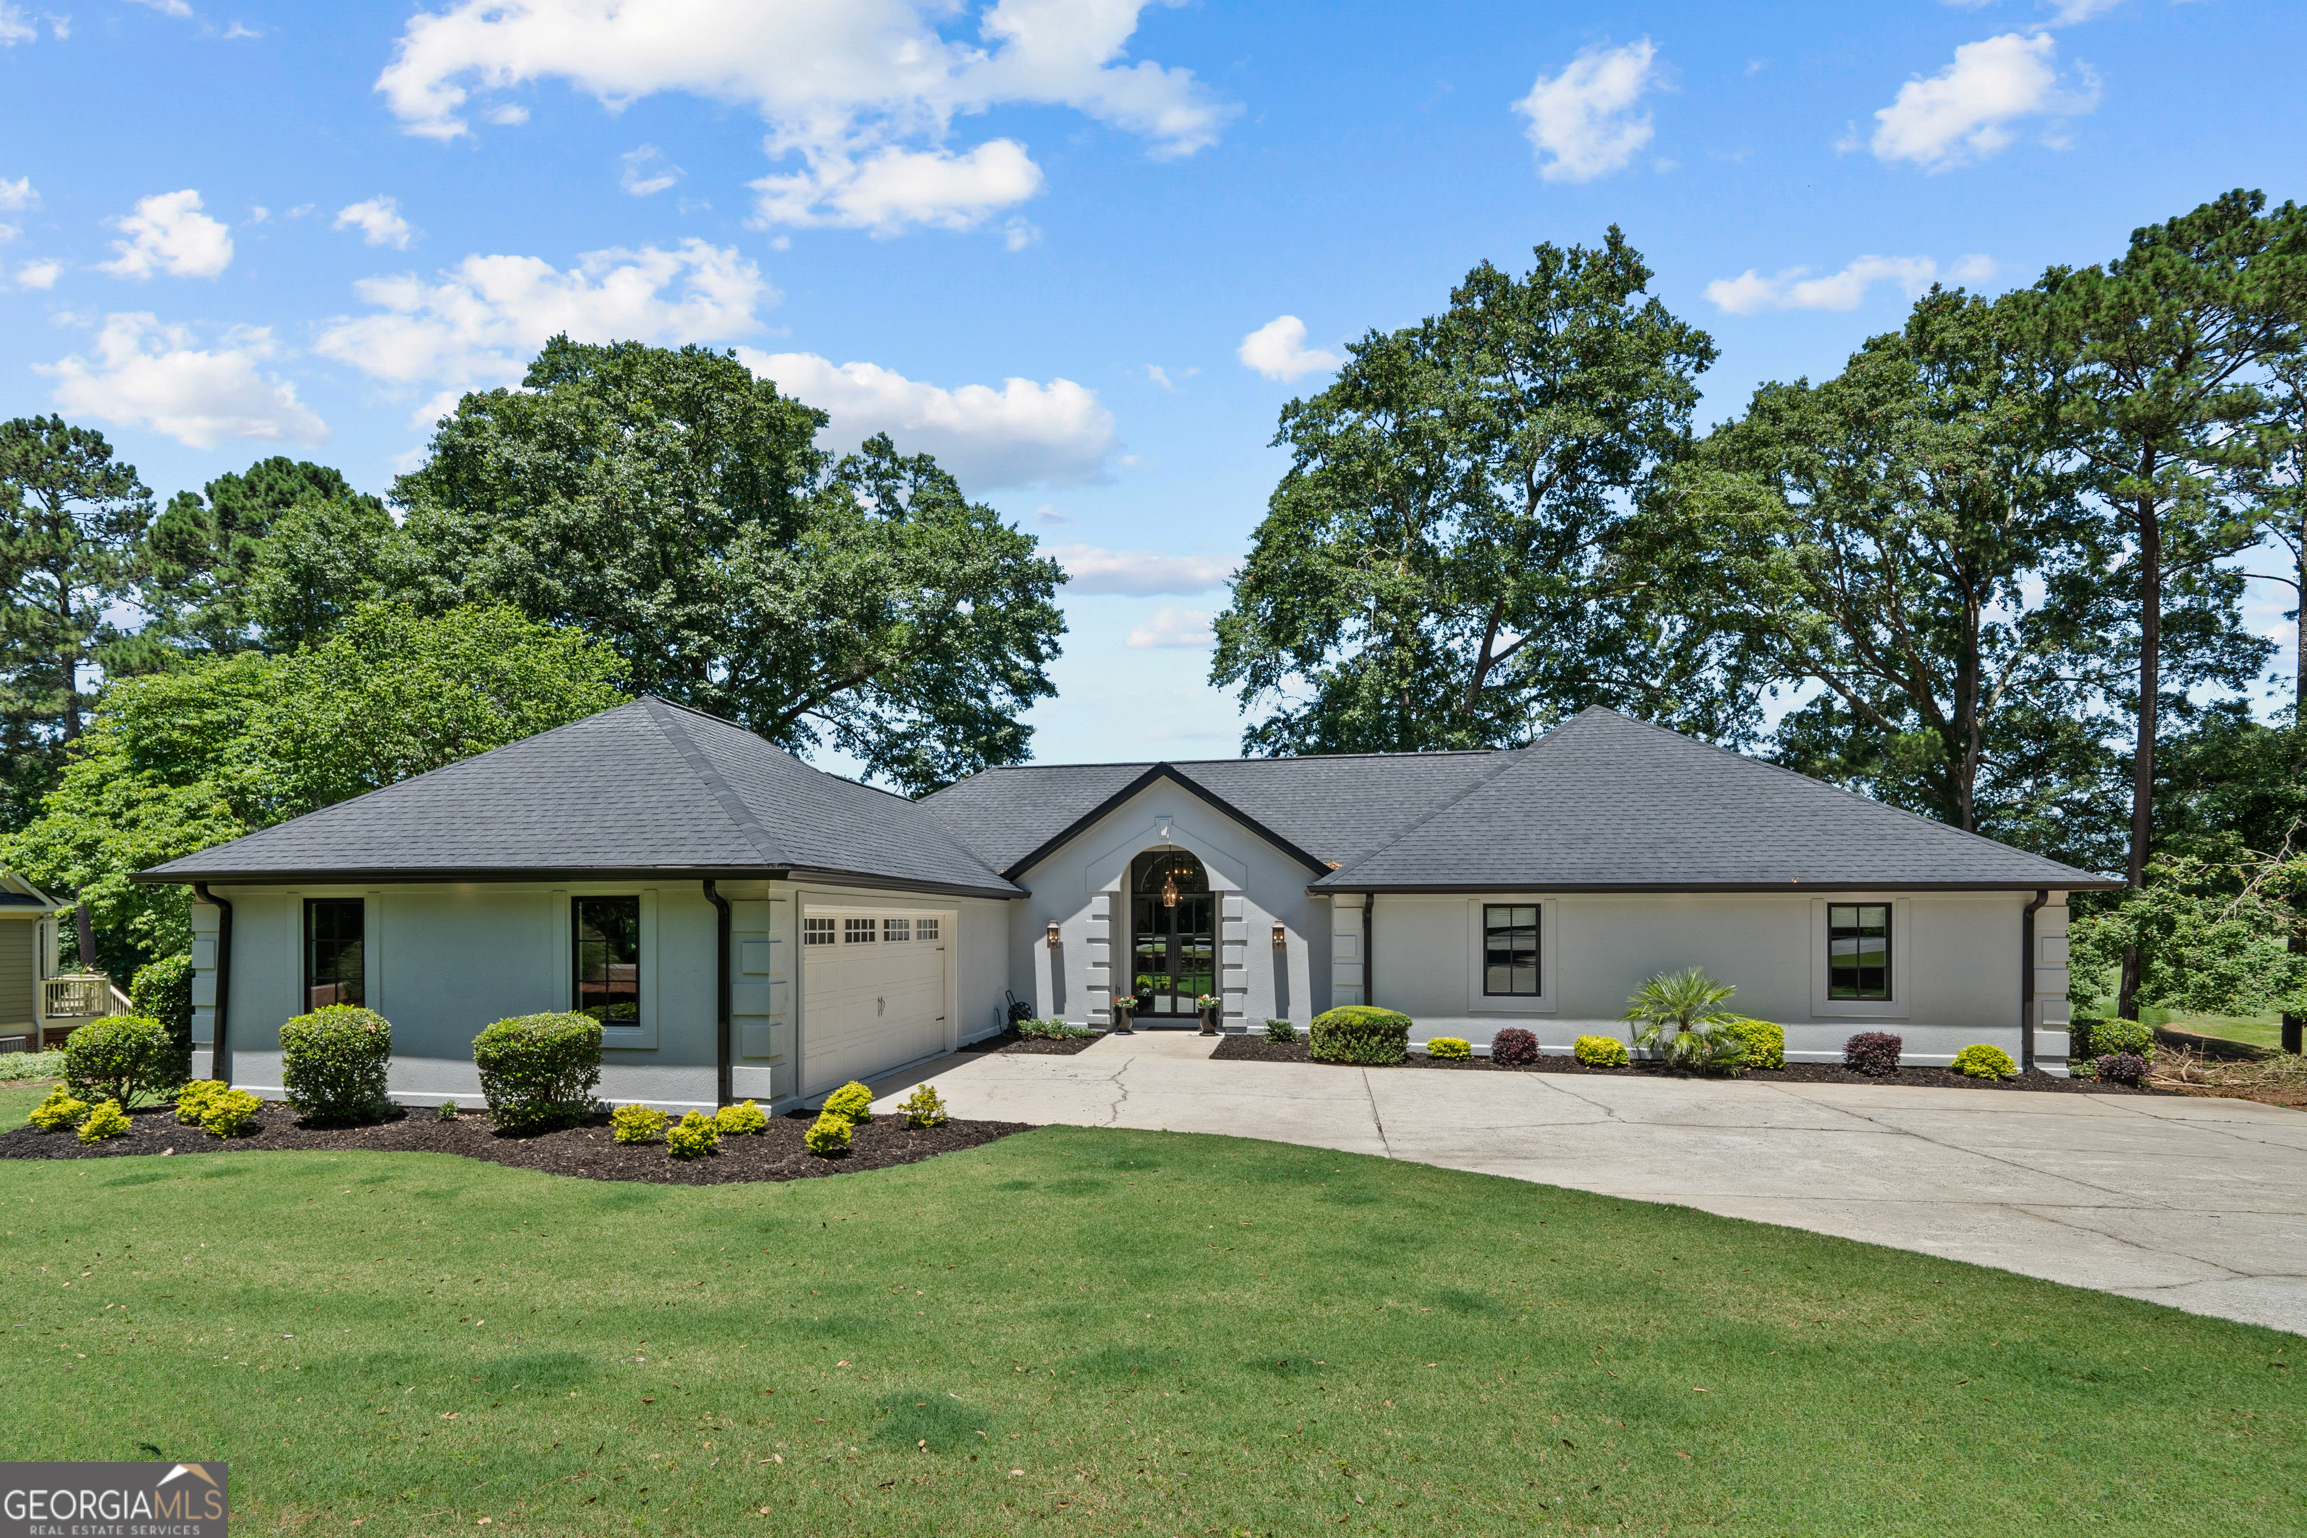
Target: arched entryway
x=1173 y=936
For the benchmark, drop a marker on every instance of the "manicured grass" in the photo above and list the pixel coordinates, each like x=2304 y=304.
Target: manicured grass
x=1076 y=1330
x=2258 y=1030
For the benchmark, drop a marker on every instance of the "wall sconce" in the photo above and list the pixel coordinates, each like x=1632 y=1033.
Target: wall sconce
x=1281 y=936
x=1053 y=934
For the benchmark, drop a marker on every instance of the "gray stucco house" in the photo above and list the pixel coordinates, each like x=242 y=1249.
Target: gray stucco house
x=747 y=926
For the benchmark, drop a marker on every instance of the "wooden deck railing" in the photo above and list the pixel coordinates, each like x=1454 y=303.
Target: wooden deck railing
x=88 y=996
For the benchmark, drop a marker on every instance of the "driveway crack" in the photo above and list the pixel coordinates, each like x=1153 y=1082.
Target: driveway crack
x=1376 y=1120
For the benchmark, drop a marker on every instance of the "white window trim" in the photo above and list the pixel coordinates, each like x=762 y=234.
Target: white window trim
x=1549 y=958
x=1899 y=1006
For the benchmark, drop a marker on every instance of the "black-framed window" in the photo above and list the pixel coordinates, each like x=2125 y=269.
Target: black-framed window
x=1510 y=950
x=897 y=931
x=333 y=954
x=859 y=931
x=607 y=948
x=816 y=931
x=1858 y=951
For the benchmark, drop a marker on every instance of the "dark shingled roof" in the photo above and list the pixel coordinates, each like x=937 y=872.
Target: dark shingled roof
x=1605 y=802
x=1330 y=808
x=646 y=788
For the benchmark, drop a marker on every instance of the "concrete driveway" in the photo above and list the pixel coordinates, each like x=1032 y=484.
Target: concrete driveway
x=2200 y=1204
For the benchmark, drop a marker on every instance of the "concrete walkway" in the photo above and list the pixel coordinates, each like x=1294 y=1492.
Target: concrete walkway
x=2200 y=1204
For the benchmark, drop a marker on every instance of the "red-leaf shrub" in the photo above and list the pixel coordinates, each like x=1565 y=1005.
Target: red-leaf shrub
x=1514 y=1047
x=1872 y=1052
x=2122 y=1067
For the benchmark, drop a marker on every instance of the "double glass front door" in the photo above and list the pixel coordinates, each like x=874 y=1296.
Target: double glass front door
x=1173 y=934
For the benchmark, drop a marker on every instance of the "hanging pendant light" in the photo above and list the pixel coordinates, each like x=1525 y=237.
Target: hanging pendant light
x=1170 y=889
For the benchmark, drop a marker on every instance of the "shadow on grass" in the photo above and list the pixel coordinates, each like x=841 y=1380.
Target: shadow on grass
x=930 y=1416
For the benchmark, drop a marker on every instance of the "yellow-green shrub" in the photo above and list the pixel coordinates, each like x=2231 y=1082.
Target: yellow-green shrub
x=1599 y=1051
x=851 y=1102
x=1765 y=1042
x=58 y=1110
x=229 y=1113
x=1450 y=1049
x=693 y=1136
x=107 y=1120
x=121 y=1057
x=742 y=1118
x=1983 y=1061
x=194 y=1097
x=1359 y=1034
x=637 y=1123
x=828 y=1135
x=925 y=1107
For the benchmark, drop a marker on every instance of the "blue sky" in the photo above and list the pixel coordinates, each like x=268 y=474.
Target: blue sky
x=1082 y=250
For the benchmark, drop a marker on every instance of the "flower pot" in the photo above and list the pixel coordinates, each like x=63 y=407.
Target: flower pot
x=1121 y=1021
x=1209 y=1022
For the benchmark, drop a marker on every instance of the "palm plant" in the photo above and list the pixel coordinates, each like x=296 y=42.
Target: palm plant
x=1680 y=1019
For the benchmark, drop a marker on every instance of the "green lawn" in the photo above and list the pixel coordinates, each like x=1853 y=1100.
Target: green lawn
x=2258 y=1030
x=1089 y=1331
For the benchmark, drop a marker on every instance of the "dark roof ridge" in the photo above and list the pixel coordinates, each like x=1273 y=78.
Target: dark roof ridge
x=1507 y=757
x=1292 y=758
x=1810 y=779
x=677 y=734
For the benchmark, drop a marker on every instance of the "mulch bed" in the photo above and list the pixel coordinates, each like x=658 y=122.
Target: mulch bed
x=1250 y=1049
x=1032 y=1046
x=586 y=1151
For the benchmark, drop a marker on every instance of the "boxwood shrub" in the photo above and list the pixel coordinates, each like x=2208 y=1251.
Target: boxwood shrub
x=828 y=1135
x=2097 y=1038
x=58 y=1111
x=1361 y=1034
x=694 y=1136
x=1450 y=1049
x=121 y=1058
x=540 y=1070
x=1983 y=1060
x=229 y=1112
x=163 y=990
x=1514 y=1047
x=107 y=1120
x=637 y=1123
x=852 y=1102
x=193 y=1099
x=333 y=1063
x=1599 y=1051
x=741 y=1119
x=1765 y=1042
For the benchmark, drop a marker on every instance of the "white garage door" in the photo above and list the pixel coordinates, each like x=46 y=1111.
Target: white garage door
x=873 y=994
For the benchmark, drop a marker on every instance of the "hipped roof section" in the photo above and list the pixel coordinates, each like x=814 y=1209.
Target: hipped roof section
x=646 y=789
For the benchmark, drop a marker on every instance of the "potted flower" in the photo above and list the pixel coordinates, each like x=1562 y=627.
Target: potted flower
x=1210 y=1005
x=1123 y=1008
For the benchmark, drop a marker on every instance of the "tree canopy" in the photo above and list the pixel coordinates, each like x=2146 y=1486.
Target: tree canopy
x=674 y=507
x=1440 y=565
x=173 y=762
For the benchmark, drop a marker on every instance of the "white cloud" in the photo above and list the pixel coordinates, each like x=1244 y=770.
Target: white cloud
x=1140 y=573
x=864 y=91
x=18 y=194
x=41 y=274
x=647 y=171
x=508 y=114
x=2070 y=11
x=167 y=7
x=1024 y=433
x=477 y=324
x=1966 y=110
x=14 y=28
x=379 y=222
x=1173 y=626
x=168 y=233
x=893 y=187
x=148 y=375
x=1793 y=288
x=1584 y=117
x=1278 y=350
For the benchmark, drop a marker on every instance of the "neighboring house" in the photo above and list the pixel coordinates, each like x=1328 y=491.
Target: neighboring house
x=27 y=959
x=745 y=925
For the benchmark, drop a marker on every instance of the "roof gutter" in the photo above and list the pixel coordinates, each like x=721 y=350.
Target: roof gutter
x=216 y=1019
x=721 y=1044
x=2027 y=980
x=1682 y=888
x=404 y=876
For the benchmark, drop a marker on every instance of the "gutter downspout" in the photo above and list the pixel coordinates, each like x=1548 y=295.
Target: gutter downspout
x=216 y=1037
x=721 y=1085
x=2027 y=981
x=1369 y=901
